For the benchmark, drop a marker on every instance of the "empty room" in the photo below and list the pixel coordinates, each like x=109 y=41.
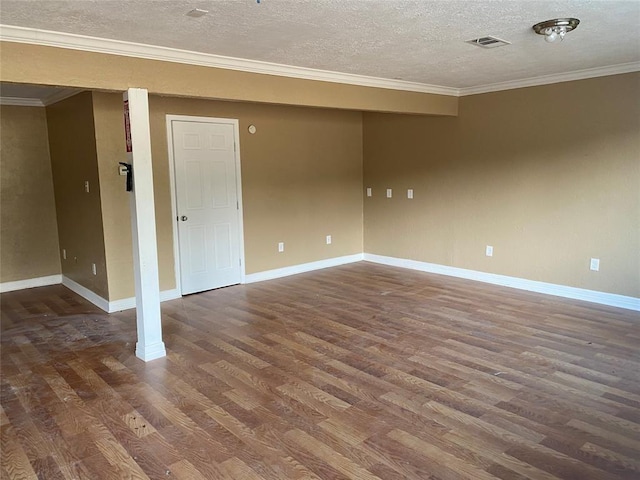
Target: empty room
x=279 y=239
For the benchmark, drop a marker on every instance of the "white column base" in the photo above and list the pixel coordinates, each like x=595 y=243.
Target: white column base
x=150 y=352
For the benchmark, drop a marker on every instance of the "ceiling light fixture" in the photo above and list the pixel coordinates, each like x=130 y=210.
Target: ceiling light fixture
x=552 y=29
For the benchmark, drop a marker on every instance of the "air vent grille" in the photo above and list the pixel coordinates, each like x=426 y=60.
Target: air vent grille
x=488 y=42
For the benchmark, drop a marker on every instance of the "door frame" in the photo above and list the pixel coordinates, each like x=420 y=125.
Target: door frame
x=174 y=194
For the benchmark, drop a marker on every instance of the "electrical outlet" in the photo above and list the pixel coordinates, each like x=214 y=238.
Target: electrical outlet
x=328 y=239
x=64 y=253
x=281 y=247
x=410 y=194
x=369 y=192
x=489 y=251
x=86 y=186
x=93 y=269
x=595 y=264
x=389 y=193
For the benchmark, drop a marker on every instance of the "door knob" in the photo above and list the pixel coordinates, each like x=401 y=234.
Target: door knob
x=184 y=218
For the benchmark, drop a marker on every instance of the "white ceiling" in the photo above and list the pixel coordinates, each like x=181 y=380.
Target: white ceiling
x=28 y=91
x=413 y=40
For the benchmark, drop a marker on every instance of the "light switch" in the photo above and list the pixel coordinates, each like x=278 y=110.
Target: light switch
x=281 y=247
x=410 y=193
x=86 y=186
x=389 y=193
x=369 y=191
x=328 y=239
x=595 y=264
x=489 y=251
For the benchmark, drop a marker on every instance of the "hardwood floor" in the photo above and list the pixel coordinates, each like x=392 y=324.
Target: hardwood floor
x=355 y=372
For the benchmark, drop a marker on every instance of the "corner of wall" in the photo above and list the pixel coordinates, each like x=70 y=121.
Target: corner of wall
x=76 y=182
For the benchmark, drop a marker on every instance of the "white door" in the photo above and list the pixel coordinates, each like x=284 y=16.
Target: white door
x=207 y=204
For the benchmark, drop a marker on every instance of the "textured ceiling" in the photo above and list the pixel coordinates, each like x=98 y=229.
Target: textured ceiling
x=8 y=90
x=414 y=40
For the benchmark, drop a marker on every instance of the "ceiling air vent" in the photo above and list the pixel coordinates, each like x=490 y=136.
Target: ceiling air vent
x=488 y=42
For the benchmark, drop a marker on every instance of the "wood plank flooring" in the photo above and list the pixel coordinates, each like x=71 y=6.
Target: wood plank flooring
x=355 y=372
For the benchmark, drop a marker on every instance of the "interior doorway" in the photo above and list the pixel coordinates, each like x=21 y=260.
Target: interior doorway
x=207 y=202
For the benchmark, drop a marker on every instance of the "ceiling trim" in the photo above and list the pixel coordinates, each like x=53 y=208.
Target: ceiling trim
x=11 y=33
x=38 y=102
x=59 y=96
x=35 y=36
x=556 y=78
x=21 y=102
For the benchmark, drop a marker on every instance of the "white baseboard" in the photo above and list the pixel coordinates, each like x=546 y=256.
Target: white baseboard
x=116 y=305
x=603 y=298
x=128 y=303
x=30 y=283
x=302 y=268
x=85 y=293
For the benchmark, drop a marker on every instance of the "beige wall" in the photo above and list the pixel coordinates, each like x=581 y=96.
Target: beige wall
x=98 y=71
x=301 y=181
x=114 y=199
x=549 y=176
x=73 y=158
x=28 y=230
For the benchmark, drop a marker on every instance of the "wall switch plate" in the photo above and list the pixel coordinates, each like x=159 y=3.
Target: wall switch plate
x=281 y=247
x=410 y=193
x=64 y=253
x=86 y=186
x=122 y=170
x=489 y=251
x=369 y=193
x=389 y=193
x=595 y=264
x=93 y=269
x=328 y=239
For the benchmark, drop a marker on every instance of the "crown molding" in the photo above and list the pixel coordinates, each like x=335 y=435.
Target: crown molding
x=21 y=102
x=59 y=96
x=10 y=33
x=37 y=102
x=549 y=79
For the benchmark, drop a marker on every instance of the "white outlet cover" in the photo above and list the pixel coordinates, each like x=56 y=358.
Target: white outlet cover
x=389 y=193
x=410 y=193
x=86 y=186
x=281 y=247
x=489 y=251
x=595 y=264
x=328 y=239
x=369 y=192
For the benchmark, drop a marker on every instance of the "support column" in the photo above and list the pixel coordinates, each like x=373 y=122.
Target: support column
x=143 y=226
